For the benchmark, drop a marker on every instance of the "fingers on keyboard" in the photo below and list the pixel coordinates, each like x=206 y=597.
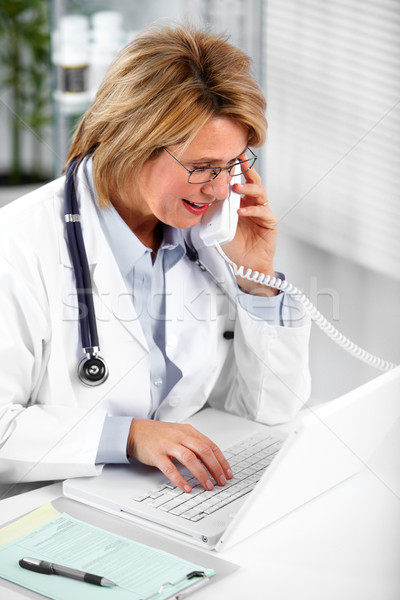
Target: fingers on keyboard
x=203 y=455
x=170 y=471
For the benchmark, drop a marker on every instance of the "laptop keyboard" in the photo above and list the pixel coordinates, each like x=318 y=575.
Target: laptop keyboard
x=248 y=460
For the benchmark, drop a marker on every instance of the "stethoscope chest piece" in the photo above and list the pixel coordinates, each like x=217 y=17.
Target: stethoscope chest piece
x=92 y=371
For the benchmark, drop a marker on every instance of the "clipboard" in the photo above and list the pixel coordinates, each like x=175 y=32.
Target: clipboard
x=137 y=533
x=195 y=575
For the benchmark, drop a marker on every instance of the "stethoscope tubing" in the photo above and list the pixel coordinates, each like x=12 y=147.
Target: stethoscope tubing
x=80 y=263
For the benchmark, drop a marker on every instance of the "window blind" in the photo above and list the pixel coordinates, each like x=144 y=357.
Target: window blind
x=332 y=85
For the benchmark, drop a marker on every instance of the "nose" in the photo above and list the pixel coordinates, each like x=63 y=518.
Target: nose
x=218 y=188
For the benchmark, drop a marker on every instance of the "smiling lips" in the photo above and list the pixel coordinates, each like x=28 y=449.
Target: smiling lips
x=196 y=208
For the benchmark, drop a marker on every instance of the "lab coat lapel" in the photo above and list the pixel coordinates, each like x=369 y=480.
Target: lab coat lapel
x=193 y=302
x=113 y=300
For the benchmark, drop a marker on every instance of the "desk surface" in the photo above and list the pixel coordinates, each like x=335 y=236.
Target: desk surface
x=343 y=545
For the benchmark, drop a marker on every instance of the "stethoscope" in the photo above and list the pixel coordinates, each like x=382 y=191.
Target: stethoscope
x=92 y=369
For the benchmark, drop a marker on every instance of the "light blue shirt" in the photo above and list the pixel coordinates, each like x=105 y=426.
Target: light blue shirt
x=145 y=282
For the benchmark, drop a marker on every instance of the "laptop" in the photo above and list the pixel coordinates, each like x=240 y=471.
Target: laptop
x=323 y=446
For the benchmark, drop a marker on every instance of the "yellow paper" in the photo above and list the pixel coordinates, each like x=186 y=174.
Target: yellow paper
x=28 y=523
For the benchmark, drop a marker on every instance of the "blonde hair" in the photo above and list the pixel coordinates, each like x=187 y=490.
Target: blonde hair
x=159 y=91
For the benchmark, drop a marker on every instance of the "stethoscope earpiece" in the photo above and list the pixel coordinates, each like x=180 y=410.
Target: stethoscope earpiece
x=92 y=371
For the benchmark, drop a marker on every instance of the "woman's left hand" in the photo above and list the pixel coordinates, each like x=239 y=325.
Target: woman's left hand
x=255 y=241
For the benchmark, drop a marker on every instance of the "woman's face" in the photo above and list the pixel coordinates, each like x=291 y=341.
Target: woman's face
x=163 y=189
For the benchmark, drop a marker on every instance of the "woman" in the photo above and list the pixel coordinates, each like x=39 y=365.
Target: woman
x=176 y=113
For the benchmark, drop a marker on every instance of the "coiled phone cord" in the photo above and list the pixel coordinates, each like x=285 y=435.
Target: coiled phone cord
x=316 y=316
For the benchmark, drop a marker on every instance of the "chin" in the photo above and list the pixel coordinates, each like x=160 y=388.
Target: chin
x=183 y=223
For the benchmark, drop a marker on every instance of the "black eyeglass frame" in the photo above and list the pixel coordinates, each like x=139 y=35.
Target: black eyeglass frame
x=216 y=170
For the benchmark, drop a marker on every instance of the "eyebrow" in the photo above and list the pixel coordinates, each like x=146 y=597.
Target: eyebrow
x=210 y=160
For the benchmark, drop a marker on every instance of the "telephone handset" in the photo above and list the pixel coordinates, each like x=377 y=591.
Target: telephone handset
x=219 y=223
x=218 y=227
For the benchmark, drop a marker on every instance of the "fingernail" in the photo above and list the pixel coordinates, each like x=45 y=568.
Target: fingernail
x=187 y=488
x=229 y=473
x=209 y=484
x=222 y=480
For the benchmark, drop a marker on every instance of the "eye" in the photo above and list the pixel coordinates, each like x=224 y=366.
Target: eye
x=202 y=168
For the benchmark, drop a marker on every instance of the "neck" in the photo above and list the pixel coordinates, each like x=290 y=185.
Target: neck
x=151 y=239
x=147 y=228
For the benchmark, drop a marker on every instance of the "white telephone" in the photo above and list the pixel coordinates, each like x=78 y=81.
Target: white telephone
x=218 y=227
x=220 y=221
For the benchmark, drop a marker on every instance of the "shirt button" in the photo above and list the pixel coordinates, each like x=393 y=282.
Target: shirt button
x=173 y=401
x=158 y=382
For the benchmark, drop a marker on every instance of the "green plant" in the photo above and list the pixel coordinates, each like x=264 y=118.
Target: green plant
x=25 y=68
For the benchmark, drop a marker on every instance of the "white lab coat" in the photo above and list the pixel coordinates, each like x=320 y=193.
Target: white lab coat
x=50 y=423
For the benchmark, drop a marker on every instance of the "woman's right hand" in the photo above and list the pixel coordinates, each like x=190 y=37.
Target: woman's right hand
x=158 y=443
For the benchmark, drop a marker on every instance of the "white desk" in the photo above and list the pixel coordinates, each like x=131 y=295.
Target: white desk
x=344 y=545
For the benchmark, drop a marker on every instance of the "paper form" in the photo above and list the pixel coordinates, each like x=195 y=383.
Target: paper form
x=138 y=570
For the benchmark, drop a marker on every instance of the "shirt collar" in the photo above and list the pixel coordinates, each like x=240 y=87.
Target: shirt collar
x=174 y=242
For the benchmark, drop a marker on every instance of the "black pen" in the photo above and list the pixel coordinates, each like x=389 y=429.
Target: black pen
x=48 y=568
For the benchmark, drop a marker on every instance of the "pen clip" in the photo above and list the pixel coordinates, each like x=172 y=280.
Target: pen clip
x=186 y=590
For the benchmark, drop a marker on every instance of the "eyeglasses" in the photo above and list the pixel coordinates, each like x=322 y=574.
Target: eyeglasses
x=206 y=174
